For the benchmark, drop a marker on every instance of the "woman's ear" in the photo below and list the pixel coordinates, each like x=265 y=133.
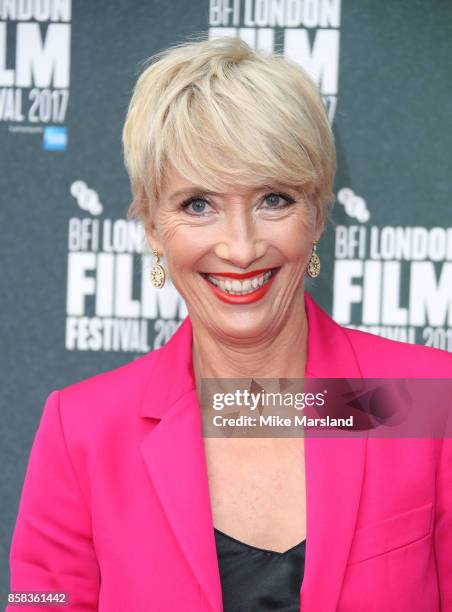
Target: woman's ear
x=319 y=225
x=152 y=235
x=318 y=234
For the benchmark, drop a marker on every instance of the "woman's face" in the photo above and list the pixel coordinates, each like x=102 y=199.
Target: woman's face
x=262 y=237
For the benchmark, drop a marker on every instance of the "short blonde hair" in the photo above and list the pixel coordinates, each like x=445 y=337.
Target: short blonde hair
x=223 y=114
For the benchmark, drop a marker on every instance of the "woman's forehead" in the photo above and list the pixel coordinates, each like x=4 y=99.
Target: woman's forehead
x=176 y=185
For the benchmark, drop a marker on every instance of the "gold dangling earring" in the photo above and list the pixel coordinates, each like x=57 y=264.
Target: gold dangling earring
x=158 y=275
x=313 y=268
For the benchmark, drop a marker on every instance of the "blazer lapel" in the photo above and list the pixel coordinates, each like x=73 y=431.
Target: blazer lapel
x=334 y=472
x=174 y=456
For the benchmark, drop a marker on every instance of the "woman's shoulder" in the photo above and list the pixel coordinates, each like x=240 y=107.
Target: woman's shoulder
x=394 y=357
x=116 y=391
x=127 y=374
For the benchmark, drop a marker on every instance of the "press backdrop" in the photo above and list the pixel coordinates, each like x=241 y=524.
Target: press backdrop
x=76 y=297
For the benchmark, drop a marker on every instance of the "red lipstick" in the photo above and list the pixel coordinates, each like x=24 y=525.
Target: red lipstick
x=247 y=298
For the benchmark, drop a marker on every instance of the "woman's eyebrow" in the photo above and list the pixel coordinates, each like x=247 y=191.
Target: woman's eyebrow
x=202 y=190
x=193 y=189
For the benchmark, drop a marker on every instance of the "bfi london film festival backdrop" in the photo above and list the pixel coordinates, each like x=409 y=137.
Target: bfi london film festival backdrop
x=76 y=294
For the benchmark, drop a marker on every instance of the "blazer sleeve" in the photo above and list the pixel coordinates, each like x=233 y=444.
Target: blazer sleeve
x=443 y=525
x=52 y=547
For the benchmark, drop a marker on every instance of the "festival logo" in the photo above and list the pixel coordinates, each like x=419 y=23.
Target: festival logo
x=394 y=281
x=111 y=304
x=35 y=69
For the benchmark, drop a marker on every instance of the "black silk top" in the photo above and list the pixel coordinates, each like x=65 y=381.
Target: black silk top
x=258 y=580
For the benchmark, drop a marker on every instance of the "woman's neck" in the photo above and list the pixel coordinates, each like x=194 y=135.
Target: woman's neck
x=281 y=356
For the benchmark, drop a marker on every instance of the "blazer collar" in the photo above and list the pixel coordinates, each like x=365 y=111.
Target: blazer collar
x=174 y=456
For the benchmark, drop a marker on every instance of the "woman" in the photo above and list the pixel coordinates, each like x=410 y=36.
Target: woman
x=126 y=506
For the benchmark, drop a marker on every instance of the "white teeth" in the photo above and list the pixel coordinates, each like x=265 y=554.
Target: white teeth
x=237 y=287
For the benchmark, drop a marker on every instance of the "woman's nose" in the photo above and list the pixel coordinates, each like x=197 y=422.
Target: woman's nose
x=240 y=243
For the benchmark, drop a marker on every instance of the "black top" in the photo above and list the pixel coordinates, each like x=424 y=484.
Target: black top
x=258 y=580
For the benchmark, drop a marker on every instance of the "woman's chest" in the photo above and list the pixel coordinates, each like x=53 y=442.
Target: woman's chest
x=257 y=490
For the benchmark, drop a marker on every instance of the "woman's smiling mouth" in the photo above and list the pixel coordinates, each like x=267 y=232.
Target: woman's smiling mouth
x=245 y=288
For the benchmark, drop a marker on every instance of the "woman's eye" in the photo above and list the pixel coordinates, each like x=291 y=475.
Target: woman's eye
x=195 y=206
x=278 y=200
x=198 y=206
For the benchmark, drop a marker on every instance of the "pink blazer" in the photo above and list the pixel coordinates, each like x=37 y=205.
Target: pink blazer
x=115 y=508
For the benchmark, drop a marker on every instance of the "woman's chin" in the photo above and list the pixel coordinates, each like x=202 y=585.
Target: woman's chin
x=242 y=324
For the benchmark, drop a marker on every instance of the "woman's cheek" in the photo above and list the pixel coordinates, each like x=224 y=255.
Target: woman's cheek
x=294 y=240
x=185 y=246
